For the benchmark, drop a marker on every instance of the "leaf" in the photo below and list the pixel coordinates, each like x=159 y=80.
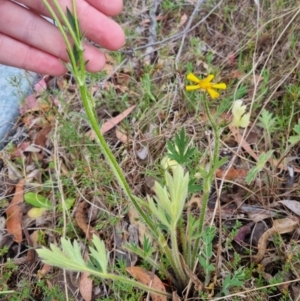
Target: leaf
x=232 y=173
x=280 y=226
x=149 y=279
x=36 y=212
x=179 y=150
x=294 y=139
x=71 y=19
x=262 y=160
x=99 y=253
x=81 y=221
x=42 y=136
x=69 y=202
x=109 y=124
x=198 y=283
x=183 y=19
x=69 y=257
x=14 y=213
x=267 y=121
x=121 y=136
x=37 y=200
x=243 y=232
x=292 y=205
x=43 y=271
x=86 y=283
x=29 y=103
x=41 y=86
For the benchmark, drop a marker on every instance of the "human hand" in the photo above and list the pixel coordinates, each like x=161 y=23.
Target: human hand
x=30 y=42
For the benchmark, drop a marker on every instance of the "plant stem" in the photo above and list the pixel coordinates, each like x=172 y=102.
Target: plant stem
x=79 y=73
x=177 y=264
x=208 y=180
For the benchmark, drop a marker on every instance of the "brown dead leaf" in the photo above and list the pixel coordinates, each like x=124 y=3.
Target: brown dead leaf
x=292 y=205
x=43 y=271
x=109 y=124
x=280 y=226
x=41 y=137
x=183 y=19
x=175 y=297
x=121 y=136
x=147 y=21
x=62 y=83
x=236 y=74
x=149 y=279
x=34 y=238
x=232 y=173
x=40 y=86
x=32 y=104
x=243 y=232
x=14 y=213
x=81 y=221
x=109 y=65
x=86 y=283
x=197 y=282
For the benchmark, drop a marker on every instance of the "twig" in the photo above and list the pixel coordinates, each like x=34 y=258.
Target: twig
x=187 y=27
x=152 y=31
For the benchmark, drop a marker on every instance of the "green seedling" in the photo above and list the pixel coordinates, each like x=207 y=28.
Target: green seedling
x=295 y=138
x=237 y=279
x=269 y=123
x=206 y=252
x=41 y=204
x=262 y=160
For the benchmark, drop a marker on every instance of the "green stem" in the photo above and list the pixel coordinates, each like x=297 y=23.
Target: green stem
x=124 y=279
x=208 y=180
x=89 y=108
x=177 y=264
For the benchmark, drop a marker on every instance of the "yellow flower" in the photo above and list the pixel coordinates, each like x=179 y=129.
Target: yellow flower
x=240 y=117
x=205 y=85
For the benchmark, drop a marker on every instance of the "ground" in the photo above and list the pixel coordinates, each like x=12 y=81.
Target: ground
x=233 y=198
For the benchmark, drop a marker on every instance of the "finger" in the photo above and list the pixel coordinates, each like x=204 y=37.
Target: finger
x=17 y=54
x=96 y=25
x=25 y=26
x=107 y=7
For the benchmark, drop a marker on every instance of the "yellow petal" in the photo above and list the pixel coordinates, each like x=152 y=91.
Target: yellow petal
x=193 y=78
x=209 y=78
x=245 y=120
x=238 y=109
x=192 y=88
x=36 y=212
x=221 y=86
x=235 y=121
x=213 y=94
